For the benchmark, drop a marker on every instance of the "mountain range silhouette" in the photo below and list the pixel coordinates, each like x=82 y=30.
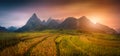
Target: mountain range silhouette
x=70 y=23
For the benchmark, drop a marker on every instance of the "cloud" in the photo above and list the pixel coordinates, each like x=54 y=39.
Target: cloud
x=12 y=11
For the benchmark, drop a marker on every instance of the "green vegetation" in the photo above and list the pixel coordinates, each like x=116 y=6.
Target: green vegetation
x=59 y=43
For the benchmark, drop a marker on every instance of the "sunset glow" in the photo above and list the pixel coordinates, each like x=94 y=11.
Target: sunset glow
x=59 y=27
x=102 y=11
x=94 y=21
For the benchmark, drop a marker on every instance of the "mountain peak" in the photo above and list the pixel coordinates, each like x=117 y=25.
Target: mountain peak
x=34 y=23
x=49 y=20
x=83 y=18
x=34 y=19
x=70 y=18
x=34 y=16
x=69 y=23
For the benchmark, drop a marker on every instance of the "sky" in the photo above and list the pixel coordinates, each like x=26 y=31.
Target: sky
x=17 y=12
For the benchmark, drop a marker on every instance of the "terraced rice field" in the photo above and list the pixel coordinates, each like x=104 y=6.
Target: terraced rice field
x=59 y=43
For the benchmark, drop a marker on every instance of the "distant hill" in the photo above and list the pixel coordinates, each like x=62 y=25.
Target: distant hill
x=33 y=24
x=3 y=29
x=12 y=29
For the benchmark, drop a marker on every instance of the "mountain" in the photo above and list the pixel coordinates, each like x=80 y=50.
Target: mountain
x=12 y=28
x=68 y=23
x=44 y=22
x=104 y=29
x=118 y=30
x=33 y=24
x=49 y=20
x=52 y=24
x=84 y=24
x=3 y=29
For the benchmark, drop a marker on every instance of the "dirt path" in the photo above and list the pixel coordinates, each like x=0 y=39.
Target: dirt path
x=57 y=47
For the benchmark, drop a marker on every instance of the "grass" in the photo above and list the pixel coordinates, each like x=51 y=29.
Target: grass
x=21 y=47
x=47 y=47
x=67 y=48
x=95 y=49
x=59 y=43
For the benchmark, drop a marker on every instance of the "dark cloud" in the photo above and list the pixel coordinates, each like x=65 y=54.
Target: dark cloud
x=13 y=3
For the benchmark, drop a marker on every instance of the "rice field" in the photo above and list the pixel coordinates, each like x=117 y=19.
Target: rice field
x=59 y=43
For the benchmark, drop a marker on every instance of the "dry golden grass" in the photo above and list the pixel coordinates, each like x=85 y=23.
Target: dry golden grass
x=45 y=48
x=100 y=41
x=59 y=43
x=20 y=48
x=96 y=47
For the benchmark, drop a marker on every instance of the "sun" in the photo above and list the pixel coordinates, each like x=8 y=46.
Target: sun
x=94 y=21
